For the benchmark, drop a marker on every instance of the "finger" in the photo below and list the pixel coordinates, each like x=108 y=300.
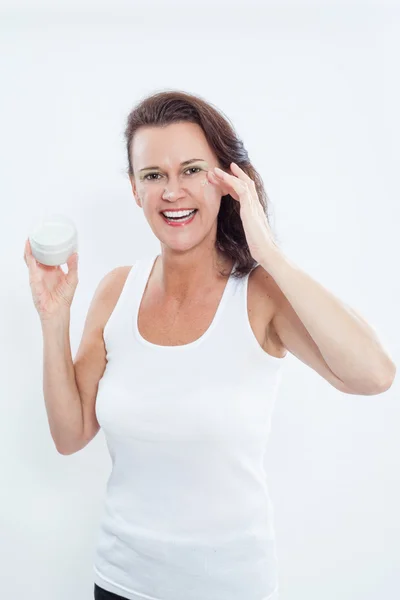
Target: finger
x=213 y=178
x=241 y=174
x=31 y=262
x=72 y=263
x=220 y=174
x=239 y=186
x=217 y=182
x=28 y=256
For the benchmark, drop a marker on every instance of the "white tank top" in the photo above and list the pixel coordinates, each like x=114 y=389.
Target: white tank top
x=187 y=515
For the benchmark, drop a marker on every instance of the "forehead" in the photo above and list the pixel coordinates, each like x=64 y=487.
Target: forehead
x=169 y=145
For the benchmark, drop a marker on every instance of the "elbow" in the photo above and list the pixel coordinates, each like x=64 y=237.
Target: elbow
x=65 y=452
x=384 y=379
x=70 y=449
x=372 y=386
x=387 y=379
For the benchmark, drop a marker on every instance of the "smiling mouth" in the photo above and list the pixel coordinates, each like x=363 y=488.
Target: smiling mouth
x=181 y=219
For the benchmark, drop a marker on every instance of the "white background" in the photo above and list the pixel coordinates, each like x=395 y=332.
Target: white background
x=313 y=90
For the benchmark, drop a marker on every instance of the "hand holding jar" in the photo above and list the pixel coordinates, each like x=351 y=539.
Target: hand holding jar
x=50 y=245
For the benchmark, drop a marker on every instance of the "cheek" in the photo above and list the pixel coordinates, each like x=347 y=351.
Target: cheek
x=146 y=193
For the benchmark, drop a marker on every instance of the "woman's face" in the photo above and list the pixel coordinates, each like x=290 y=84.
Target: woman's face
x=162 y=183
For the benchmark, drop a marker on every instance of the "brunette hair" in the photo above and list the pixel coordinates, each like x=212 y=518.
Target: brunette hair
x=162 y=109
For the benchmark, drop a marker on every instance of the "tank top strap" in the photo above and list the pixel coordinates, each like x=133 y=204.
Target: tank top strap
x=119 y=325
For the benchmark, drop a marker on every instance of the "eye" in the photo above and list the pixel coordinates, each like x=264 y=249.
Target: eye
x=149 y=175
x=193 y=168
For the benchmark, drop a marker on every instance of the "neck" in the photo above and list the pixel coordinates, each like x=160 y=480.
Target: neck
x=186 y=275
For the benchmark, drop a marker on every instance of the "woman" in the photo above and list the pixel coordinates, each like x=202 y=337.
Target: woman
x=180 y=360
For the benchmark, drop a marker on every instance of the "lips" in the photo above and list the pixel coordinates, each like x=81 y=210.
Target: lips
x=180 y=222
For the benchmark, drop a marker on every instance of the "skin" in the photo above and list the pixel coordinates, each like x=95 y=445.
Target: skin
x=189 y=261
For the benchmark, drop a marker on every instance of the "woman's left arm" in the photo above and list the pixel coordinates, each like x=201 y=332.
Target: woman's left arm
x=348 y=344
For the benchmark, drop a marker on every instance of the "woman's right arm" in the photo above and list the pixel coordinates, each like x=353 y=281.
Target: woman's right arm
x=70 y=388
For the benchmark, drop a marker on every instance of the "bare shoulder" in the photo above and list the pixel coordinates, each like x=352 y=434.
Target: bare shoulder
x=102 y=305
x=103 y=302
x=109 y=290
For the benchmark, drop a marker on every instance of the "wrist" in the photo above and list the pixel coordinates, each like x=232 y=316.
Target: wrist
x=61 y=318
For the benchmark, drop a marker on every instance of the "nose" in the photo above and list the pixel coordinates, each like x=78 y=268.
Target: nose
x=167 y=195
x=172 y=190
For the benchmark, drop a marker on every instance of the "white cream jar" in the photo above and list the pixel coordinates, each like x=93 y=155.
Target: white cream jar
x=54 y=240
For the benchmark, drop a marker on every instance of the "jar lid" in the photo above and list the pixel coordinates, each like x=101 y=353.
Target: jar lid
x=54 y=233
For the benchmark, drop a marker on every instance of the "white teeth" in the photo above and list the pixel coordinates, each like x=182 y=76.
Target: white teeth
x=178 y=213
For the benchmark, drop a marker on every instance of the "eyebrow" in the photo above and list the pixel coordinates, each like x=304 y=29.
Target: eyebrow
x=183 y=164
